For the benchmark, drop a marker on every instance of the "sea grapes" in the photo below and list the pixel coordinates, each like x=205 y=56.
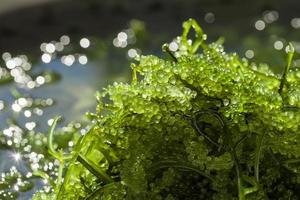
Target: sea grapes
x=201 y=124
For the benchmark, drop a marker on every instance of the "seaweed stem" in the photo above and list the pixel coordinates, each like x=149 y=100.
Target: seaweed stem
x=290 y=55
x=94 y=169
x=166 y=49
x=200 y=36
x=50 y=139
x=257 y=157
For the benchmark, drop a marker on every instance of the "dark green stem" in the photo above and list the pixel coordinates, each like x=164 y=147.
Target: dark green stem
x=166 y=49
x=201 y=132
x=291 y=161
x=178 y=165
x=257 y=157
x=94 y=169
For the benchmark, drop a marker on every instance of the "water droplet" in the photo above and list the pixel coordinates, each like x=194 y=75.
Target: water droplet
x=173 y=46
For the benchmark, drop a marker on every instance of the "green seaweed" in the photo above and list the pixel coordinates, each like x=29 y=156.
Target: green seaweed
x=204 y=125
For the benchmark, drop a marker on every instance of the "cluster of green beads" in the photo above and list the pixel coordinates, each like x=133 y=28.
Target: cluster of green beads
x=206 y=125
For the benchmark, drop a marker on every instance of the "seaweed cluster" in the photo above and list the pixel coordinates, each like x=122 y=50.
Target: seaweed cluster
x=200 y=124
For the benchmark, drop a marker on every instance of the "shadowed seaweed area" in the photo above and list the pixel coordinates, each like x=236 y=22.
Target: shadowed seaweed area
x=201 y=124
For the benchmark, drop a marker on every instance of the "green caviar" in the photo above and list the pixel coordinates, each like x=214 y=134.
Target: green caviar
x=203 y=124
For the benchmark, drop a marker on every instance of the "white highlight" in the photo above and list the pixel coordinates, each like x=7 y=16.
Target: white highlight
x=260 y=25
x=249 y=54
x=83 y=59
x=84 y=43
x=46 y=58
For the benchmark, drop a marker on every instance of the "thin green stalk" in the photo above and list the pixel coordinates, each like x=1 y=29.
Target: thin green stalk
x=290 y=55
x=251 y=181
x=134 y=73
x=200 y=36
x=240 y=141
x=76 y=151
x=195 y=125
x=257 y=157
x=51 y=149
x=166 y=49
x=94 y=169
x=175 y=164
x=291 y=161
x=201 y=132
x=242 y=192
x=60 y=174
x=238 y=175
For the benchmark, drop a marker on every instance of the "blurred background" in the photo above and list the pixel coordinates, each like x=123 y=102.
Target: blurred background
x=55 y=55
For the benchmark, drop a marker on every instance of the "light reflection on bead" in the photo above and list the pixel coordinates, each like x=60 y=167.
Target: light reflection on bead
x=16 y=107
x=40 y=80
x=83 y=59
x=6 y=56
x=10 y=64
x=50 y=48
x=249 y=54
x=173 y=46
x=59 y=46
x=209 y=17
x=17 y=156
x=27 y=113
x=16 y=188
x=9 y=142
x=278 y=45
x=260 y=25
x=65 y=40
x=46 y=58
x=1 y=105
x=84 y=43
x=132 y=53
x=70 y=143
x=295 y=23
x=30 y=125
x=31 y=84
x=50 y=122
x=68 y=60
x=270 y=16
x=122 y=36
